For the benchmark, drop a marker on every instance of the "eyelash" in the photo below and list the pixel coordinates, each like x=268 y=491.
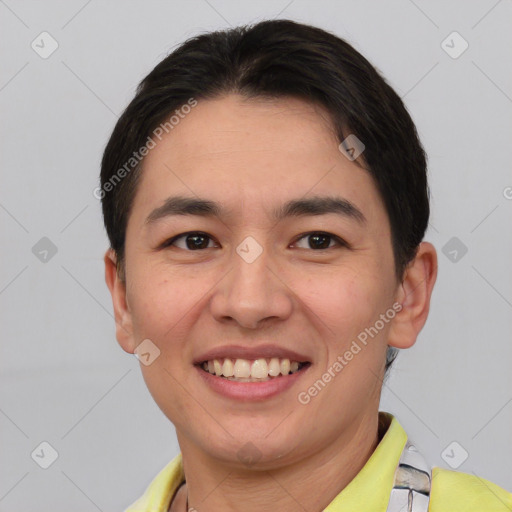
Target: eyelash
x=337 y=239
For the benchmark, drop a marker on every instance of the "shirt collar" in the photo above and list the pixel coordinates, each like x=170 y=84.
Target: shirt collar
x=369 y=490
x=371 y=487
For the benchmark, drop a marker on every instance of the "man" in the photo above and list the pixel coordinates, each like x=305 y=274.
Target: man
x=265 y=197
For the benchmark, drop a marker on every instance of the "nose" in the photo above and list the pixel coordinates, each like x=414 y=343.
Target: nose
x=252 y=294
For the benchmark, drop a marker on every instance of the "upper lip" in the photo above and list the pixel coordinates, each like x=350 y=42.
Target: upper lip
x=258 y=352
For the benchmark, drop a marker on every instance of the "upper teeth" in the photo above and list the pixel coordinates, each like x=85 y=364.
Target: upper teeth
x=255 y=369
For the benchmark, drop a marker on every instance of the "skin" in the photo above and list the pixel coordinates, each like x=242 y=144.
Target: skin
x=252 y=156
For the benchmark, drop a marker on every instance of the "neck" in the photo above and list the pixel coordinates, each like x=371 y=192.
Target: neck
x=310 y=483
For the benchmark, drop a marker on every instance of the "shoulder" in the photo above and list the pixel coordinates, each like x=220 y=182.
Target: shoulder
x=453 y=491
x=161 y=490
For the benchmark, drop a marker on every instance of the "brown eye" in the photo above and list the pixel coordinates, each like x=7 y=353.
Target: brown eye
x=192 y=241
x=319 y=241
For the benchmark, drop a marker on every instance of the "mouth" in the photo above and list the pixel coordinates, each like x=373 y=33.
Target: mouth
x=255 y=373
x=252 y=370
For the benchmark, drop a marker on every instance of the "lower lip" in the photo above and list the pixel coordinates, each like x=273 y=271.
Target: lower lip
x=250 y=390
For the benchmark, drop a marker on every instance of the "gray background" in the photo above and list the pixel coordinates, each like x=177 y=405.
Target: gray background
x=65 y=380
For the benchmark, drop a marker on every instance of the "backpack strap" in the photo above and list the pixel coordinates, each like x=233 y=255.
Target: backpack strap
x=411 y=489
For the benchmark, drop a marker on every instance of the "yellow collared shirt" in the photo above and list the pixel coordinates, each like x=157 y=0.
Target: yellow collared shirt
x=369 y=491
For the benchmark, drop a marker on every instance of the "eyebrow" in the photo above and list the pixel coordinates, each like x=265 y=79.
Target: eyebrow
x=318 y=205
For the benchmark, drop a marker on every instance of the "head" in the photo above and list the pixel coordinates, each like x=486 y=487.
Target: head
x=240 y=216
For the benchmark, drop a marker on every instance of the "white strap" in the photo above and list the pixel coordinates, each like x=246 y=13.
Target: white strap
x=411 y=489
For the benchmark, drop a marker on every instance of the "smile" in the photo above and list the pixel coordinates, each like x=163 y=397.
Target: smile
x=252 y=370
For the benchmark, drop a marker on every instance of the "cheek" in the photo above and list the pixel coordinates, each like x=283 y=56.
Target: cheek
x=346 y=301
x=165 y=304
x=162 y=308
x=157 y=302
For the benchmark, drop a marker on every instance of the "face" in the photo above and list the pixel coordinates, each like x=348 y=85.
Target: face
x=282 y=269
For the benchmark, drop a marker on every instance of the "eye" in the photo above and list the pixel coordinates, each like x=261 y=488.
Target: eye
x=320 y=240
x=192 y=241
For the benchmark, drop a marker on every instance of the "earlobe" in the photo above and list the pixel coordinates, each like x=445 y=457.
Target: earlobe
x=414 y=294
x=122 y=314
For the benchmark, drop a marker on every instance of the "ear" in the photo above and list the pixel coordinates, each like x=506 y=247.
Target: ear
x=122 y=315
x=414 y=295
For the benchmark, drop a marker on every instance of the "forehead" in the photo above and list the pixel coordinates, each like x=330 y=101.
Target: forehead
x=258 y=125
x=258 y=151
